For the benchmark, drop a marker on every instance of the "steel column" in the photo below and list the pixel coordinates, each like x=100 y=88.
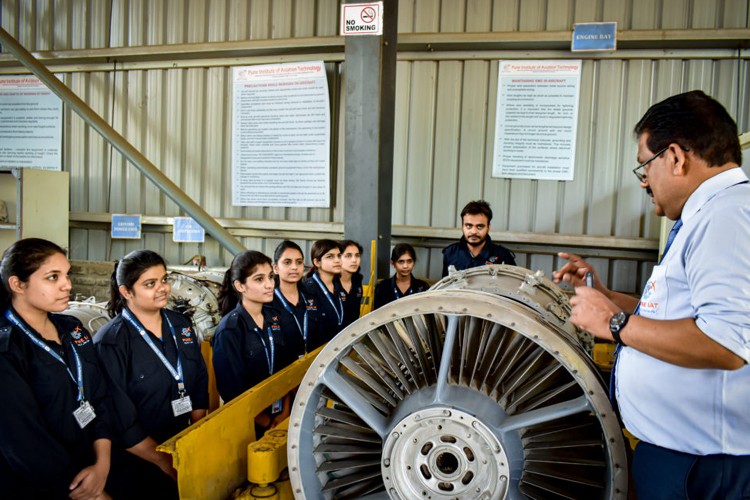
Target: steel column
x=370 y=67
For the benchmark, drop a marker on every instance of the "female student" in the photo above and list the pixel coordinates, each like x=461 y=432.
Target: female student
x=152 y=361
x=297 y=309
x=323 y=281
x=55 y=436
x=402 y=282
x=248 y=343
x=351 y=280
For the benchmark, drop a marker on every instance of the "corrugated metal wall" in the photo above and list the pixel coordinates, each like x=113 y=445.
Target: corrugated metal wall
x=179 y=115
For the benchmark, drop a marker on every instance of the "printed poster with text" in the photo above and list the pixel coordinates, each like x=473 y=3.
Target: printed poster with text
x=281 y=135
x=536 y=119
x=30 y=124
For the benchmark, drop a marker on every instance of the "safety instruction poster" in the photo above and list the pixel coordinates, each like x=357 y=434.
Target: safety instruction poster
x=536 y=119
x=281 y=135
x=30 y=124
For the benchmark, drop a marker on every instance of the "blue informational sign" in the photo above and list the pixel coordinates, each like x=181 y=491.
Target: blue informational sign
x=126 y=227
x=594 y=36
x=186 y=230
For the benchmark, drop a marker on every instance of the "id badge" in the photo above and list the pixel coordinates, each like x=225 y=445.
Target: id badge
x=277 y=406
x=84 y=414
x=181 y=406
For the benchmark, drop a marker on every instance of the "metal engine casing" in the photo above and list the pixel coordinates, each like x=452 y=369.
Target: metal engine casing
x=478 y=388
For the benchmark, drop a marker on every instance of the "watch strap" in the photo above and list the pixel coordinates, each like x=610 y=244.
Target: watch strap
x=615 y=329
x=616 y=336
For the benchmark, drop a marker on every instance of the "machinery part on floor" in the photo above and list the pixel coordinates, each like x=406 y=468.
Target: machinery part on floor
x=459 y=393
x=196 y=295
x=92 y=314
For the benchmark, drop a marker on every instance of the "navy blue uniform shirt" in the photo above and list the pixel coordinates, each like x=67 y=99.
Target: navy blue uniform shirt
x=42 y=447
x=330 y=310
x=293 y=324
x=141 y=386
x=387 y=291
x=352 y=300
x=242 y=351
x=458 y=255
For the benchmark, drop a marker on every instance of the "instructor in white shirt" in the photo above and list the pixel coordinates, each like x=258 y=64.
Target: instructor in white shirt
x=681 y=378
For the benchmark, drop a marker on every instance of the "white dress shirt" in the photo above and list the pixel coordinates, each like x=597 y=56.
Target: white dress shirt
x=705 y=276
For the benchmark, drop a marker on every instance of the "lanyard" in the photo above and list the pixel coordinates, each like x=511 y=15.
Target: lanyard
x=397 y=293
x=176 y=373
x=302 y=329
x=78 y=380
x=269 y=356
x=339 y=315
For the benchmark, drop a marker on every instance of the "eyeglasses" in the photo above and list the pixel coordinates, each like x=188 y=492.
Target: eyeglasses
x=638 y=171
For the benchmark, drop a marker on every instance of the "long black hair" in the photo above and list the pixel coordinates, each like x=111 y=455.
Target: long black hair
x=22 y=259
x=126 y=273
x=318 y=250
x=243 y=265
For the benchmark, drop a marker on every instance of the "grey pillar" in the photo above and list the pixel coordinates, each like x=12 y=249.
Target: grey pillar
x=370 y=72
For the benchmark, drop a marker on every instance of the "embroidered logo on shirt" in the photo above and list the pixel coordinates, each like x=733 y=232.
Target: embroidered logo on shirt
x=79 y=336
x=491 y=260
x=647 y=303
x=311 y=305
x=186 y=335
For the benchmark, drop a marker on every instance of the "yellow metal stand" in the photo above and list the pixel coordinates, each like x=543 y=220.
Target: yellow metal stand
x=213 y=393
x=368 y=291
x=211 y=456
x=604 y=355
x=266 y=460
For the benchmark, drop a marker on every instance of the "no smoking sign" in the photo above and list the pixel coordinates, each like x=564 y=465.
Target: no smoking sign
x=362 y=19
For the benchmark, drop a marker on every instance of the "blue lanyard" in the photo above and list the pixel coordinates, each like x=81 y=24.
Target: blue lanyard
x=339 y=315
x=302 y=329
x=78 y=380
x=176 y=373
x=397 y=293
x=269 y=356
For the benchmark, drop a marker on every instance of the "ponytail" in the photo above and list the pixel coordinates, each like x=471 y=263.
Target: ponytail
x=116 y=301
x=227 y=294
x=126 y=273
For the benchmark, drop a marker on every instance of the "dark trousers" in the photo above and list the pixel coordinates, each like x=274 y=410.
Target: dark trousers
x=665 y=474
x=131 y=477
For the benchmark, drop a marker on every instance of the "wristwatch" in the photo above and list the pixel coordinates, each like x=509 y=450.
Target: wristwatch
x=616 y=324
